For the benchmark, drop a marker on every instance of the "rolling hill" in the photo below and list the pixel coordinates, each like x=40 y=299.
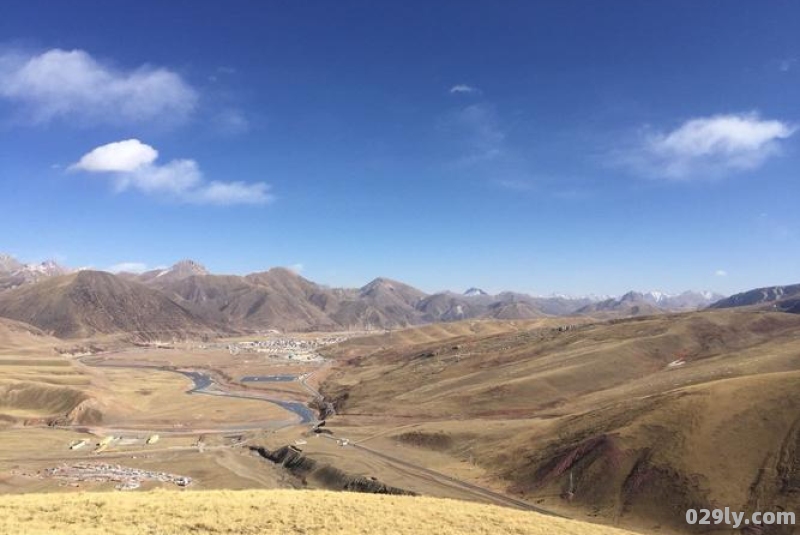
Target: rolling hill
x=36 y=382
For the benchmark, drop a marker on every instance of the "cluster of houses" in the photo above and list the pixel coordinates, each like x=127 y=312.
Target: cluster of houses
x=126 y=478
x=285 y=347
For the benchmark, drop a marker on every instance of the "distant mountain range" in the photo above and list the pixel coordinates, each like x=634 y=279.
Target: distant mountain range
x=186 y=299
x=639 y=304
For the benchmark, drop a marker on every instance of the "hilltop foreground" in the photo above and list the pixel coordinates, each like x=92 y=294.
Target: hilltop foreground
x=267 y=512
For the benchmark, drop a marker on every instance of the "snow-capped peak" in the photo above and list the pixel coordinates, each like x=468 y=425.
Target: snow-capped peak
x=473 y=292
x=9 y=264
x=657 y=296
x=48 y=268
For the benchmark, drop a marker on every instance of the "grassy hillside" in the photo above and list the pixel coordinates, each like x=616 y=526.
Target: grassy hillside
x=435 y=334
x=35 y=380
x=270 y=512
x=627 y=421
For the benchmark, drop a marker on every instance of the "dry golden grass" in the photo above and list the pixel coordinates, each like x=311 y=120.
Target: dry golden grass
x=597 y=409
x=22 y=339
x=438 y=333
x=282 y=512
x=35 y=381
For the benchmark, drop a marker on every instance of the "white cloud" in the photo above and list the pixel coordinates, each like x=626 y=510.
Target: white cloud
x=125 y=155
x=464 y=89
x=131 y=164
x=128 y=267
x=296 y=268
x=721 y=273
x=709 y=147
x=71 y=84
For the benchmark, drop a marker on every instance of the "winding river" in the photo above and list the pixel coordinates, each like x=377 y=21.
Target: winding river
x=202 y=383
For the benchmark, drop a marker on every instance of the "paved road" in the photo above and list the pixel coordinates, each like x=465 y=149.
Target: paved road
x=433 y=475
x=496 y=497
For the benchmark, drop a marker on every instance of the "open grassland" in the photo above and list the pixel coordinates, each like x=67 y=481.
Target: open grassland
x=281 y=512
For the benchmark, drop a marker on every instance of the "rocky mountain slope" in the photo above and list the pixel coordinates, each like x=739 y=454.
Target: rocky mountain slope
x=778 y=297
x=87 y=303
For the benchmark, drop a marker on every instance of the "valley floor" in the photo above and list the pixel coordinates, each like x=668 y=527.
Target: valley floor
x=625 y=423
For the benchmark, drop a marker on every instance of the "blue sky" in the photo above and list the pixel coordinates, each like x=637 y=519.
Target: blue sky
x=568 y=147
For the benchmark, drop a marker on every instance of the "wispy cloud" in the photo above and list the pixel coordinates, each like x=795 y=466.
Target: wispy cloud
x=786 y=64
x=128 y=267
x=721 y=273
x=231 y=121
x=227 y=193
x=478 y=130
x=775 y=227
x=707 y=147
x=516 y=185
x=221 y=71
x=296 y=268
x=72 y=85
x=464 y=89
x=566 y=189
x=131 y=164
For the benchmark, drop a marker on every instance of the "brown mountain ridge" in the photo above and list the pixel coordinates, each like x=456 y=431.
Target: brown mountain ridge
x=187 y=299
